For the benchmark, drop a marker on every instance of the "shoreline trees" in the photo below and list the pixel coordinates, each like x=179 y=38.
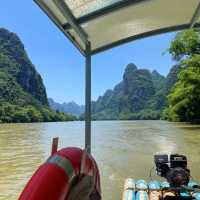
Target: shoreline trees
x=184 y=98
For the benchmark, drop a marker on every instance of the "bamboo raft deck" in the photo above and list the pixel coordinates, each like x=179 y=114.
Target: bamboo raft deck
x=154 y=190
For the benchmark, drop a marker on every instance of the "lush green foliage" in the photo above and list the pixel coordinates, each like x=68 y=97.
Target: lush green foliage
x=14 y=113
x=22 y=93
x=184 y=99
x=18 y=73
x=185 y=45
x=159 y=100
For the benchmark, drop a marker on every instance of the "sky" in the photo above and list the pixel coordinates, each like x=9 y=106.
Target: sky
x=62 y=66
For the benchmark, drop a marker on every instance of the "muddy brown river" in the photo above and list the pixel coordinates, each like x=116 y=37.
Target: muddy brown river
x=122 y=149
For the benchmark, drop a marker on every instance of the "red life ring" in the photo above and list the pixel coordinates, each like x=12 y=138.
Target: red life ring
x=68 y=174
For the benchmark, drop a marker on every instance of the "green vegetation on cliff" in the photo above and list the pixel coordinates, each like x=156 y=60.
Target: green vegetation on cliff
x=140 y=95
x=22 y=92
x=184 y=99
x=20 y=82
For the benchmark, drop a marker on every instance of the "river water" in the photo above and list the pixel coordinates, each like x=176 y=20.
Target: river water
x=122 y=149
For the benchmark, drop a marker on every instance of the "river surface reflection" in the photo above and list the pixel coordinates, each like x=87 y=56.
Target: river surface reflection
x=121 y=148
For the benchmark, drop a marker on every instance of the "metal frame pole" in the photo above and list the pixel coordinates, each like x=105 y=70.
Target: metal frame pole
x=88 y=99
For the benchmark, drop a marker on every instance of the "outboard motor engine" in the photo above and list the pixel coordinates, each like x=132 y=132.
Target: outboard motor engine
x=174 y=168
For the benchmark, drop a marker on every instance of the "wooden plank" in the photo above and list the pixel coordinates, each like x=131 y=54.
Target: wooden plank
x=54 y=147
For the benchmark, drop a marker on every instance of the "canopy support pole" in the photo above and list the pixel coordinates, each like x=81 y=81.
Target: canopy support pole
x=88 y=99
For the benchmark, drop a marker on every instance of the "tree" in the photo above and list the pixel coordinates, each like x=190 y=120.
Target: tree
x=184 y=99
x=185 y=45
x=21 y=116
x=34 y=114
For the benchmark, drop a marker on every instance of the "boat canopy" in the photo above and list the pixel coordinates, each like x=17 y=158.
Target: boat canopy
x=109 y=23
x=94 y=26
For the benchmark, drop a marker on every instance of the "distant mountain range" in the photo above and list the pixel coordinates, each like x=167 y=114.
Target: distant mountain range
x=70 y=108
x=140 y=95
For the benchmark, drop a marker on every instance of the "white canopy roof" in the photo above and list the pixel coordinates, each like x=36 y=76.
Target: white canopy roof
x=109 y=23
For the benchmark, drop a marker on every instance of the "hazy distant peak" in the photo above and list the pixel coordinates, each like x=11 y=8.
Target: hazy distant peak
x=71 y=107
x=71 y=102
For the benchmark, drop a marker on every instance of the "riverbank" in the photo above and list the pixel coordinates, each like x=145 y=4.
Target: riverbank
x=10 y=113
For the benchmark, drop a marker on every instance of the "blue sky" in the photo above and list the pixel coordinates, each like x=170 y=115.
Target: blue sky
x=60 y=63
